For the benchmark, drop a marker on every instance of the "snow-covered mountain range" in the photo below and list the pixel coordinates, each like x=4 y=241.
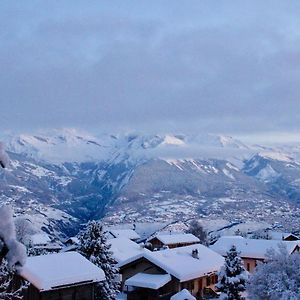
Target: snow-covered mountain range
x=62 y=178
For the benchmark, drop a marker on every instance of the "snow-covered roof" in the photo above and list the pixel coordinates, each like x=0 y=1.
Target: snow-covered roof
x=73 y=240
x=125 y=249
x=40 y=239
x=50 y=271
x=250 y=248
x=183 y=295
x=180 y=263
x=150 y=281
x=127 y=233
x=177 y=238
x=277 y=235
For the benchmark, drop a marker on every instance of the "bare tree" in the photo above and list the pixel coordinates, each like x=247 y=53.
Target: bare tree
x=24 y=229
x=197 y=230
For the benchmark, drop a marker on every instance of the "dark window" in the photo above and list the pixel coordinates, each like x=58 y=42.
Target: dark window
x=248 y=267
x=208 y=281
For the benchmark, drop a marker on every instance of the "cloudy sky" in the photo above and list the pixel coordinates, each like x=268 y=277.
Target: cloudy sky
x=211 y=66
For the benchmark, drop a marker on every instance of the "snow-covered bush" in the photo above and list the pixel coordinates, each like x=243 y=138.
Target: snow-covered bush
x=3 y=156
x=261 y=235
x=94 y=246
x=277 y=278
x=12 y=256
x=232 y=277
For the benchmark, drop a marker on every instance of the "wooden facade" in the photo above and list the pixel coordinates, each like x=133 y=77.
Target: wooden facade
x=157 y=244
x=197 y=287
x=80 y=291
x=250 y=263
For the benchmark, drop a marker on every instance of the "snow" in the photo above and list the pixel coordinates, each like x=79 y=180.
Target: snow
x=228 y=174
x=267 y=173
x=250 y=248
x=46 y=272
x=276 y=155
x=124 y=249
x=16 y=255
x=65 y=145
x=150 y=281
x=3 y=156
x=180 y=263
x=128 y=233
x=277 y=235
x=172 y=140
x=183 y=295
x=169 y=239
x=174 y=162
x=40 y=239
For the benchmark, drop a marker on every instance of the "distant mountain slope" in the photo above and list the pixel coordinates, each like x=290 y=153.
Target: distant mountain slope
x=74 y=177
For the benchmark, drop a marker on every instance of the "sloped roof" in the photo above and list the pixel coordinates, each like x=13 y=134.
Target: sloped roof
x=50 y=271
x=40 y=239
x=277 y=235
x=183 y=295
x=250 y=248
x=125 y=249
x=177 y=238
x=180 y=263
x=127 y=233
x=150 y=281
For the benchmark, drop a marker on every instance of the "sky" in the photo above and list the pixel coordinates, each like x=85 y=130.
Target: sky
x=216 y=66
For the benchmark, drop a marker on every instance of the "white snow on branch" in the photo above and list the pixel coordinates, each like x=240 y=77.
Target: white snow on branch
x=3 y=156
x=16 y=255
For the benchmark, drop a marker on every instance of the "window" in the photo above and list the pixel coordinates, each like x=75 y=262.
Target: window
x=189 y=285
x=248 y=267
x=208 y=281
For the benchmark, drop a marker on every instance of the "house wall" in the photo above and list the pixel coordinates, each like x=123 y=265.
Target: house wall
x=291 y=238
x=83 y=292
x=250 y=263
x=181 y=245
x=143 y=266
x=156 y=243
x=196 y=286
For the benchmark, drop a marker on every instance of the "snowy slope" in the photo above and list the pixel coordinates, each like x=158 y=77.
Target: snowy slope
x=77 y=176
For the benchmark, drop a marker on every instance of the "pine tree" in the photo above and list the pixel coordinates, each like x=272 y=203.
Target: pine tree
x=94 y=246
x=232 y=277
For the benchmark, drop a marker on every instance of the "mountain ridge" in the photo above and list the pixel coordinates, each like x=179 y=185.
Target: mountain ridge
x=129 y=177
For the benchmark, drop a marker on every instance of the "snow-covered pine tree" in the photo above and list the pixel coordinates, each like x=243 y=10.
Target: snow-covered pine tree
x=232 y=277
x=277 y=278
x=94 y=246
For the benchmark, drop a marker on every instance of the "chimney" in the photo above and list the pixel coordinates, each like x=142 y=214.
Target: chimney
x=195 y=253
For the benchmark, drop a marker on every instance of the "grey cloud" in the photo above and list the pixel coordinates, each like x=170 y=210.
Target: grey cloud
x=217 y=66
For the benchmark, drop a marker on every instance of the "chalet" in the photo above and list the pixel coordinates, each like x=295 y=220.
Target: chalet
x=251 y=251
x=39 y=240
x=60 y=276
x=70 y=244
x=161 y=274
x=125 y=233
x=72 y=241
x=173 y=240
x=284 y=236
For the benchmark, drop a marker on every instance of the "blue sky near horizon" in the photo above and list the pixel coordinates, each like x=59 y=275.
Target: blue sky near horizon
x=210 y=66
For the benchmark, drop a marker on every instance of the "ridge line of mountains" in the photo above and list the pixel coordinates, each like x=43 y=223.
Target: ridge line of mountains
x=64 y=178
